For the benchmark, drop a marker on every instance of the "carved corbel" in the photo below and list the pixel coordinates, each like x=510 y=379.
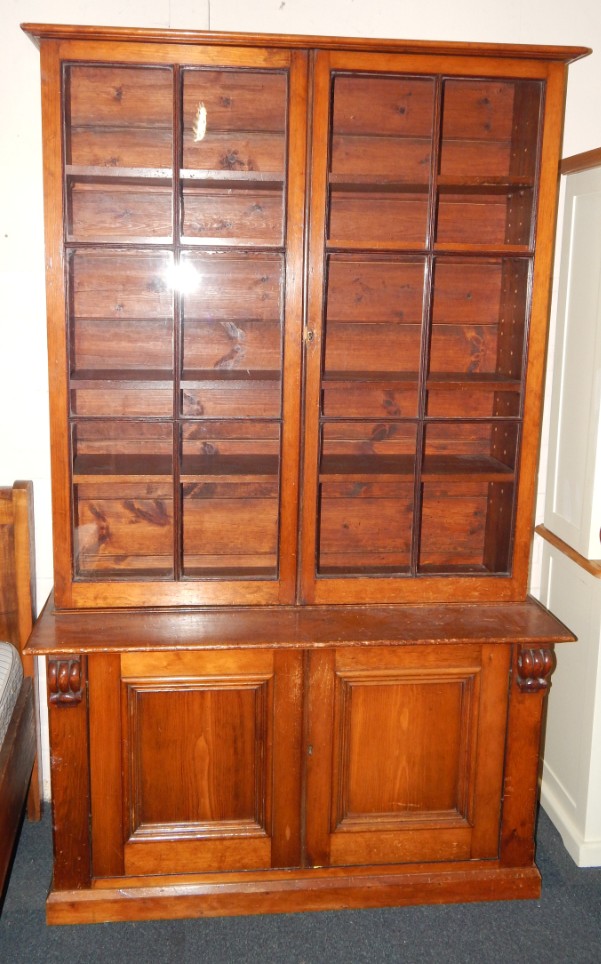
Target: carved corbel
x=535 y=667
x=66 y=680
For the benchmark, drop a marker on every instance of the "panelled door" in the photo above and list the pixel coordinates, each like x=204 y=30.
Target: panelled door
x=406 y=751
x=197 y=767
x=183 y=173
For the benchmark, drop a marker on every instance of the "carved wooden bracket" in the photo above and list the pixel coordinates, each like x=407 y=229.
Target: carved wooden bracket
x=535 y=667
x=66 y=680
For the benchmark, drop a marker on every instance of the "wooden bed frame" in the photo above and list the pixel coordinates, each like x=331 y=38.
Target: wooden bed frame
x=19 y=775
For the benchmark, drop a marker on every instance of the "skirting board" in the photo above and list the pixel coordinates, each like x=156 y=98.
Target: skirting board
x=584 y=853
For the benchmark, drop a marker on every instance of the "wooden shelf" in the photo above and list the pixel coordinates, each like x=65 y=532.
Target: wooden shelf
x=117 y=468
x=238 y=572
x=492 y=250
x=198 y=378
x=124 y=175
x=483 y=381
x=382 y=378
x=233 y=180
x=372 y=468
x=333 y=245
x=450 y=184
x=228 y=468
x=445 y=468
x=378 y=184
x=121 y=378
x=385 y=468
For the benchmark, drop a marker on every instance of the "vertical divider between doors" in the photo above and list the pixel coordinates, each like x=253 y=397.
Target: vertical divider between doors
x=426 y=327
x=315 y=258
x=177 y=160
x=294 y=321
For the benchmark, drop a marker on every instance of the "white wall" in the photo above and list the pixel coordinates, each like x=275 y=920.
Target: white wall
x=24 y=449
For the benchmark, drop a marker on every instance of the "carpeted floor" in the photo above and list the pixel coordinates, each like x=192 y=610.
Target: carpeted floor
x=563 y=927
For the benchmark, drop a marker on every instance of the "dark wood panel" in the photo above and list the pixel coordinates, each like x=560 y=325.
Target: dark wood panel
x=121 y=403
x=114 y=534
x=471 y=403
x=453 y=525
x=229 y=345
x=197 y=751
x=478 y=109
x=379 y=348
x=237 y=151
x=346 y=399
x=231 y=526
x=108 y=212
x=366 y=439
x=362 y=532
x=376 y=291
x=234 y=100
x=123 y=284
x=90 y=337
x=122 y=148
x=466 y=292
x=383 y=219
x=383 y=105
x=233 y=288
x=245 y=217
x=407 y=158
x=463 y=348
x=223 y=400
x=473 y=220
x=114 y=96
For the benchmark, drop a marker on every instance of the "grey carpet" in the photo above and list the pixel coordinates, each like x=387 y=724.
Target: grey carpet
x=563 y=926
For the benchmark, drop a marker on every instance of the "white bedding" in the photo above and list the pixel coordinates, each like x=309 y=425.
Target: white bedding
x=11 y=675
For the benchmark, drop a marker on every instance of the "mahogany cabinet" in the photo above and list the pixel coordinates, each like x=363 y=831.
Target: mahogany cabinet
x=297 y=305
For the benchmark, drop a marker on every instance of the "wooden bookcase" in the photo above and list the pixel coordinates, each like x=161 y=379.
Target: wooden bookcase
x=297 y=298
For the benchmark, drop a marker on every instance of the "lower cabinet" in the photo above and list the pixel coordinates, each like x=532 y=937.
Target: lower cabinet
x=255 y=776
x=264 y=759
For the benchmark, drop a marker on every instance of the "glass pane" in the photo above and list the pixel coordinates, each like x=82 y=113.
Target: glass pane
x=467 y=495
x=234 y=155
x=488 y=162
x=121 y=332
x=123 y=498
x=380 y=159
x=118 y=153
x=230 y=488
x=366 y=497
x=479 y=312
x=373 y=337
x=466 y=527
x=232 y=340
x=119 y=117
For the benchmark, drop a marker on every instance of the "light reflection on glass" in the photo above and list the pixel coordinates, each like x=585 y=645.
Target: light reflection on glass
x=183 y=277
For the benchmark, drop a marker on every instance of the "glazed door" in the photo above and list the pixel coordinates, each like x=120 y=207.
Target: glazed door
x=405 y=755
x=183 y=182
x=200 y=770
x=423 y=215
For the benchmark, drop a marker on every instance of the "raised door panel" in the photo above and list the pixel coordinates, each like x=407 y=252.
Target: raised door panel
x=202 y=745
x=406 y=757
